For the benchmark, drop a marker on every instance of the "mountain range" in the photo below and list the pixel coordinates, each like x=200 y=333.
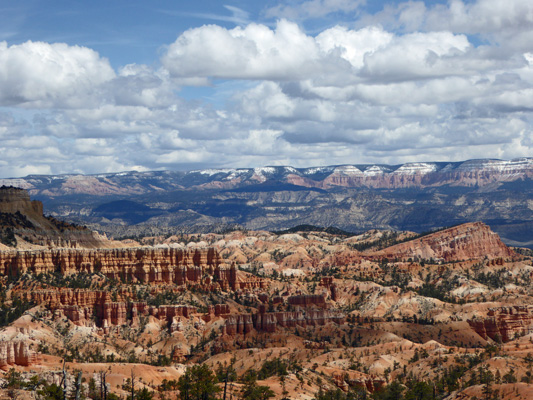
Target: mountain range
x=417 y=196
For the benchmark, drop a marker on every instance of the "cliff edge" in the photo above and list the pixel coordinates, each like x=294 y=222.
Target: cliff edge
x=23 y=225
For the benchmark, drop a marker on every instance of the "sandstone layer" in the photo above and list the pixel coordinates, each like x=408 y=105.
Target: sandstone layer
x=16 y=353
x=270 y=321
x=157 y=265
x=462 y=242
x=504 y=323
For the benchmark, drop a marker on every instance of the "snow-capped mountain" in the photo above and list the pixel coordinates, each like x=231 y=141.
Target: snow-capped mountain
x=415 y=196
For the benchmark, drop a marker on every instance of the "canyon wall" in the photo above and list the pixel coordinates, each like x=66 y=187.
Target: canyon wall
x=271 y=321
x=13 y=200
x=154 y=265
x=24 y=218
x=504 y=323
x=307 y=300
x=462 y=242
x=87 y=307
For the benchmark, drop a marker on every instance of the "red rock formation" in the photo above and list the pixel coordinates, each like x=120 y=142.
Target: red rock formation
x=153 y=265
x=346 y=379
x=112 y=314
x=16 y=353
x=504 y=323
x=71 y=297
x=83 y=307
x=307 y=300
x=462 y=242
x=265 y=322
x=327 y=282
x=14 y=200
x=268 y=322
x=169 y=312
x=238 y=324
x=469 y=173
x=245 y=281
x=221 y=309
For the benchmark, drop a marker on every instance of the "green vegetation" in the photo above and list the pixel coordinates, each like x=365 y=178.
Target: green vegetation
x=11 y=311
x=253 y=391
x=496 y=279
x=198 y=383
x=74 y=281
x=338 y=394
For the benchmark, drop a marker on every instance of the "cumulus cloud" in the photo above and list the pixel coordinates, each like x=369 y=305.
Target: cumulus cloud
x=509 y=22
x=37 y=74
x=336 y=56
x=413 y=82
x=255 y=52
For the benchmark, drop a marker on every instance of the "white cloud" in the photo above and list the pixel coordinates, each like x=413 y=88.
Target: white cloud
x=37 y=74
x=483 y=16
x=508 y=23
x=354 y=45
x=267 y=100
x=418 y=56
x=336 y=57
x=255 y=52
x=280 y=95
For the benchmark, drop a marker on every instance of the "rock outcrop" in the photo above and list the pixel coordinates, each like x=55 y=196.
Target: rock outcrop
x=462 y=242
x=219 y=309
x=147 y=264
x=271 y=321
x=504 y=323
x=88 y=307
x=16 y=353
x=307 y=300
x=13 y=200
x=24 y=218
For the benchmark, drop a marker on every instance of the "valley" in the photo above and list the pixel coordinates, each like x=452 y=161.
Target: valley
x=294 y=314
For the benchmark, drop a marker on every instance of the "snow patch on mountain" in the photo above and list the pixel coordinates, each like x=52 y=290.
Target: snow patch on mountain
x=264 y=170
x=376 y=170
x=292 y=170
x=503 y=166
x=236 y=174
x=416 y=168
x=316 y=170
x=259 y=173
x=349 y=170
x=211 y=172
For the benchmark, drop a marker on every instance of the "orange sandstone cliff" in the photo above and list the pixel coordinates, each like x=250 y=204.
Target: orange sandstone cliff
x=462 y=242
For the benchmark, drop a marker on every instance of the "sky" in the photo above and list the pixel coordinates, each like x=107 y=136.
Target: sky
x=115 y=85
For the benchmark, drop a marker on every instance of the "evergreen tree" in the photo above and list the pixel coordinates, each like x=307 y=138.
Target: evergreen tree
x=253 y=391
x=198 y=383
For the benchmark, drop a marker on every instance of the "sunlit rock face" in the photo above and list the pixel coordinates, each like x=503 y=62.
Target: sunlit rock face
x=463 y=242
